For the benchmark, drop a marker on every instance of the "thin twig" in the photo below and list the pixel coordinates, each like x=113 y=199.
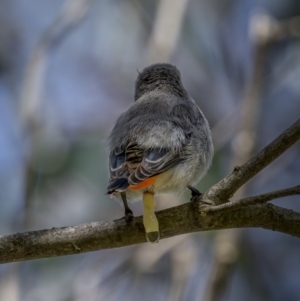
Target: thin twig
x=72 y=13
x=254 y=200
x=265 y=29
x=167 y=27
x=32 y=90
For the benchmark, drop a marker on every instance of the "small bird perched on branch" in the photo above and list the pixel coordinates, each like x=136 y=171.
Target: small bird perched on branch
x=161 y=144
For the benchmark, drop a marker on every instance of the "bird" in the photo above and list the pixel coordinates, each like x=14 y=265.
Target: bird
x=161 y=144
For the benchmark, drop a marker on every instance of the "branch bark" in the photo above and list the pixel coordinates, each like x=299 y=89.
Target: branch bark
x=114 y=234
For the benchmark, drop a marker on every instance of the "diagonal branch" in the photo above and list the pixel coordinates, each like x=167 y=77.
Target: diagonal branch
x=225 y=189
x=254 y=200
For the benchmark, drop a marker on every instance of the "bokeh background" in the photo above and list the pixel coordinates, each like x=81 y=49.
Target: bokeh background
x=67 y=70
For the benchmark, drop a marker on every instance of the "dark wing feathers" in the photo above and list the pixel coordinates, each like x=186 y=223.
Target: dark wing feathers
x=155 y=162
x=118 y=184
x=116 y=162
x=135 y=165
x=118 y=171
x=134 y=154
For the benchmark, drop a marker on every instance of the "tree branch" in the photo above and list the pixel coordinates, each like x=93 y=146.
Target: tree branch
x=222 y=191
x=187 y=218
x=114 y=234
x=254 y=200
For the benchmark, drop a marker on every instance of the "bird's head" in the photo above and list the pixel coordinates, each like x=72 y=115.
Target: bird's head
x=164 y=77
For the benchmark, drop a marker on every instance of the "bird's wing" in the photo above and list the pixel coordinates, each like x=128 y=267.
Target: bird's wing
x=154 y=162
x=133 y=165
x=118 y=171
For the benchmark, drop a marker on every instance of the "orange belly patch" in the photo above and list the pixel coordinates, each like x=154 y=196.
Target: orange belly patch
x=144 y=184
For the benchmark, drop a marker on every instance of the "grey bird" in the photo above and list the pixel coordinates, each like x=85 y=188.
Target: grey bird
x=162 y=143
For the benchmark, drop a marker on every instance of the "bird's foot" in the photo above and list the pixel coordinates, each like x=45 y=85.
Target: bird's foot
x=128 y=215
x=195 y=193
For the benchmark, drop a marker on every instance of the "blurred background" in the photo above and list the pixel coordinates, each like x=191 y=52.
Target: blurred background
x=67 y=70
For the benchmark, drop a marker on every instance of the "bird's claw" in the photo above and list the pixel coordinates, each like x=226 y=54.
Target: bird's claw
x=195 y=193
x=128 y=215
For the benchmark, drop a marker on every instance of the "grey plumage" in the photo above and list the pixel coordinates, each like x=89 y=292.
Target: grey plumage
x=163 y=134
